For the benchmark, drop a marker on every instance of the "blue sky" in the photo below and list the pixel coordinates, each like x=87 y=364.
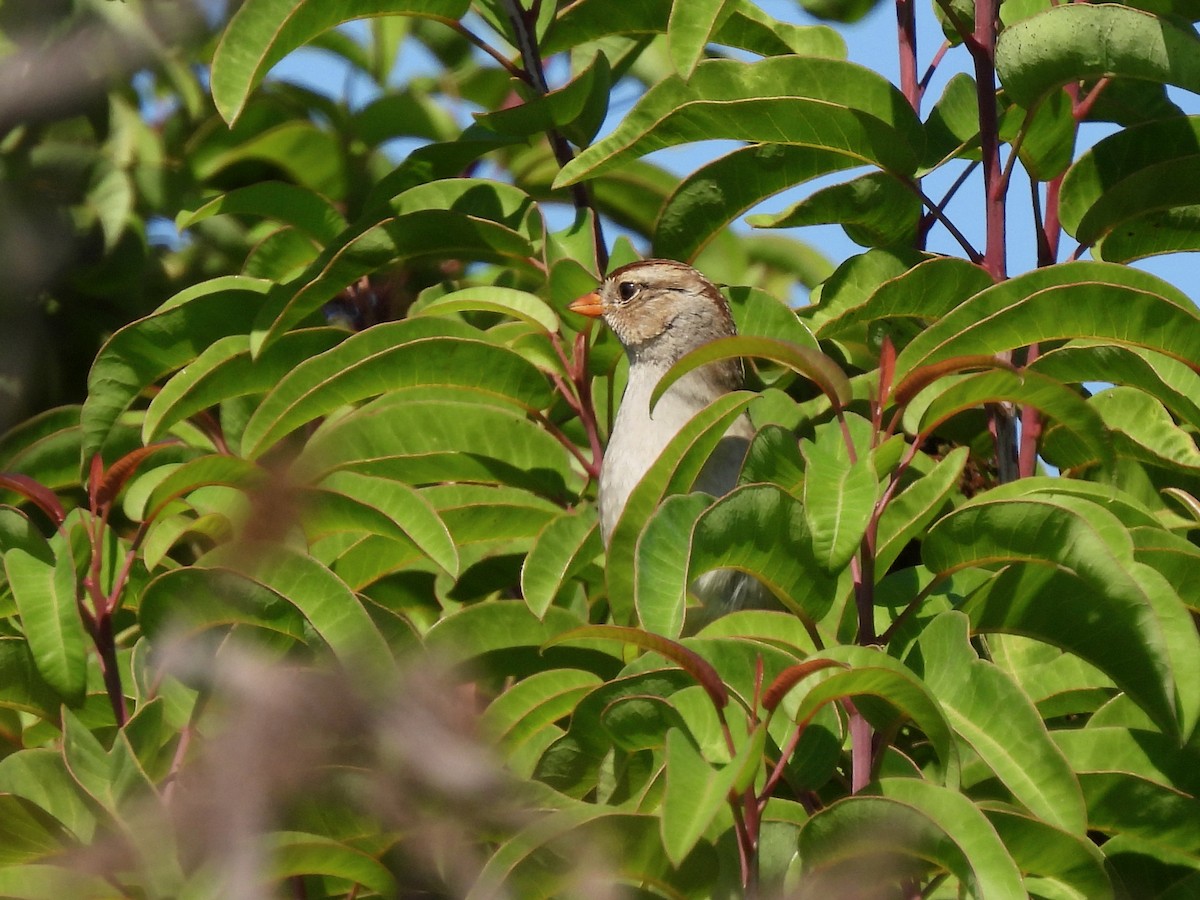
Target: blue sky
x=872 y=43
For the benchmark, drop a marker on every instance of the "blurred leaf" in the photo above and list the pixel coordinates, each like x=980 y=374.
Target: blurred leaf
x=41 y=576
x=287 y=203
x=294 y=854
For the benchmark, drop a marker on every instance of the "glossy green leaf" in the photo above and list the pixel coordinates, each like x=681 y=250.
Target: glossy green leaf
x=716 y=193
x=262 y=32
x=839 y=497
x=1061 y=302
x=207 y=470
x=995 y=717
x=810 y=363
x=40 y=776
x=563 y=546
x=1145 y=428
x=873 y=843
x=1084 y=42
x=41 y=576
x=695 y=794
x=1054 y=863
x=809 y=101
x=21 y=685
x=535 y=703
x=493 y=630
x=1171 y=381
x=507 y=301
x=1129 y=174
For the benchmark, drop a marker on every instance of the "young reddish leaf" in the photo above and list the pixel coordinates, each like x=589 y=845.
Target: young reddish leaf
x=887 y=369
x=688 y=660
x=792 y=676
x=121 y=471
x=37 y=493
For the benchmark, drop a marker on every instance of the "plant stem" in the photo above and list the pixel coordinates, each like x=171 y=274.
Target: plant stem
x=536 y=77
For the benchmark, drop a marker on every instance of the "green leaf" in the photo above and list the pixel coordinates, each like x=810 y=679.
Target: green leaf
x=519 y=305
x=311 y=155
x=749 y=28
x=715 y=194
x=690 y=28
x=1066 y=301
x=168 y=339
x=41 y=576
x=1000 y=723
x=810 y=101
x=533 y=704
x=812 y=364
x=874 y=675
x=876 y=210
x=1128 y=176
x=296 y=854
x=225 y=369
x=217 y=597
x=402 y=506
x=1172 y=382
x=1084 y=442
x=872 y=843
x=839 y=497
x=332 y=609
x=1084 y=42
x=566 y=544
x=420 y=440
x=1145 y=428
x=1054 y=863
x=262 y=32
x=372 y=363
x=290 y=204
x=577 y=110
x=489 y=632
x=455 y=218
x=992 y=872
x=1069 y=562
x=177 y=481
x=695 y=794
x=40 y=776
x=910 y=512
x=21 y=685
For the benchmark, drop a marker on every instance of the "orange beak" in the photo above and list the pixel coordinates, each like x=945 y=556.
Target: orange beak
x=588 y=305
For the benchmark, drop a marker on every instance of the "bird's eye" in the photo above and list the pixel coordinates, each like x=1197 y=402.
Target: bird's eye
x=626 y=290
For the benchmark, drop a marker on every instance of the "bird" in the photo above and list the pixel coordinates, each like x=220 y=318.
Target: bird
x=660 y=310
